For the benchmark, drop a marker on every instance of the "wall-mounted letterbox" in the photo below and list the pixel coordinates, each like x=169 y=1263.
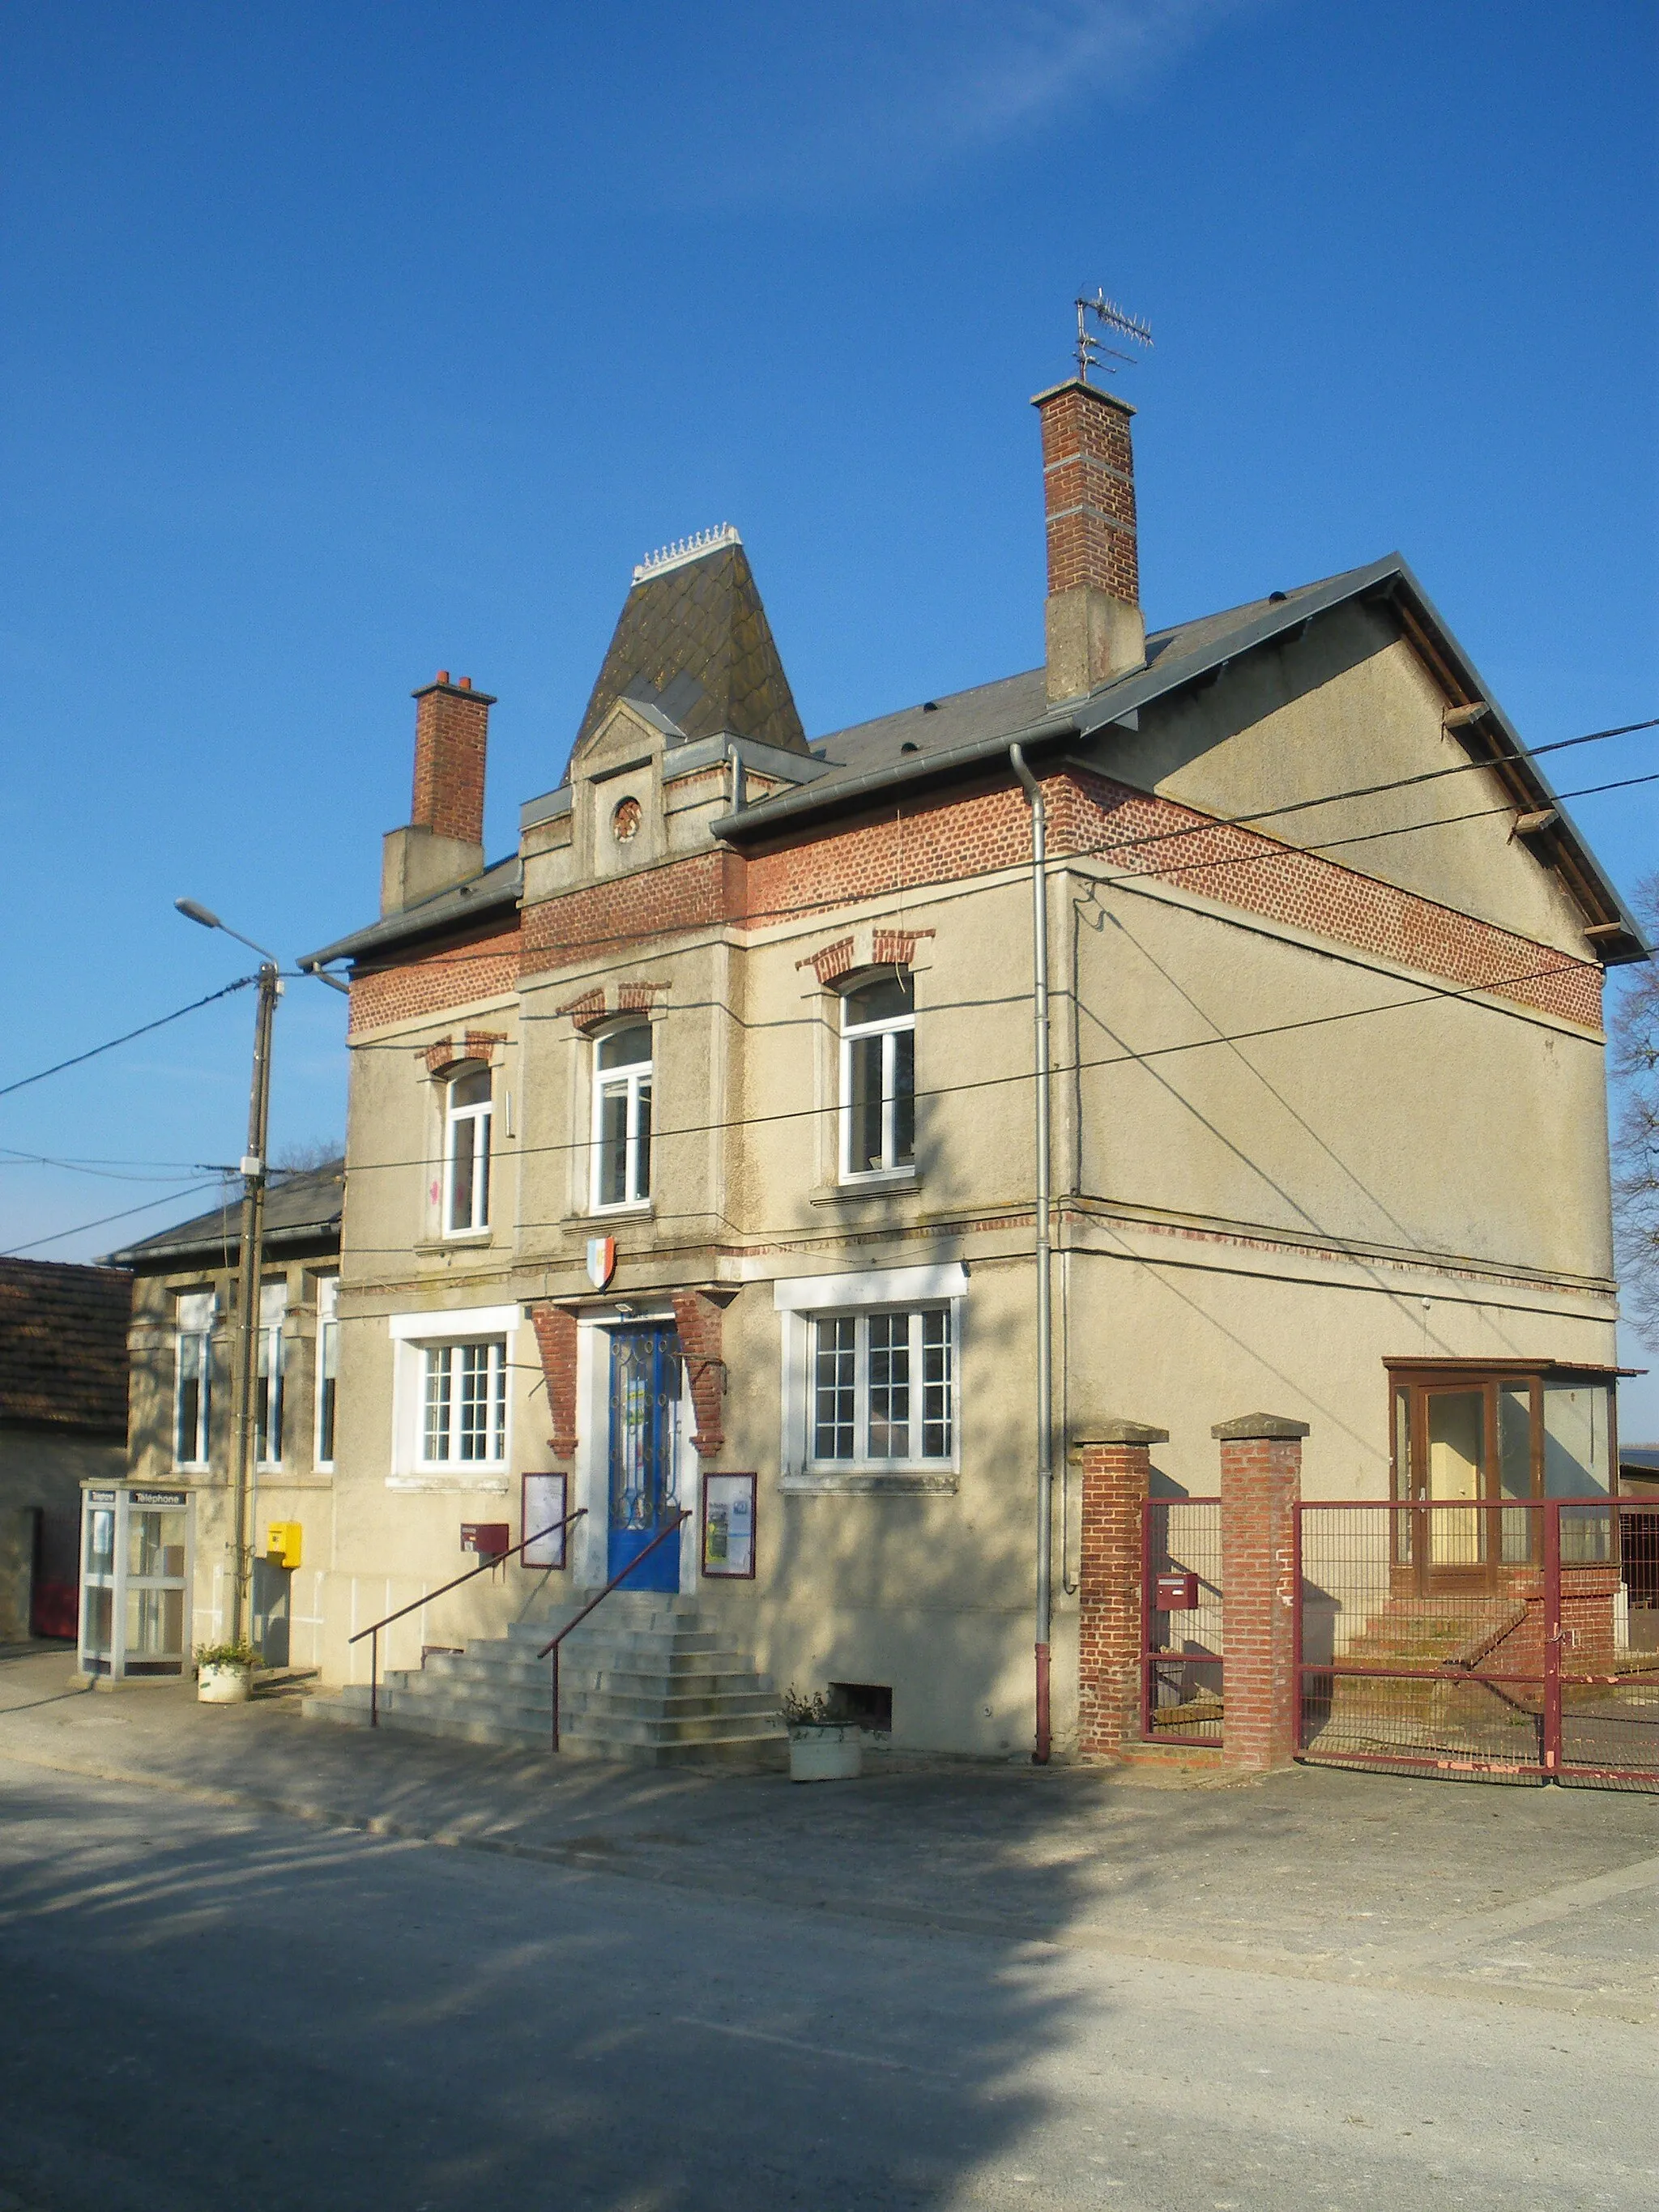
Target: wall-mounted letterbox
x=282 y=1543
x=1176 y=1593
x=489 y=1539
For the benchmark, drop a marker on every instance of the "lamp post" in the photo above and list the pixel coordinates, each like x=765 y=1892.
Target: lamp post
x=251 y=1256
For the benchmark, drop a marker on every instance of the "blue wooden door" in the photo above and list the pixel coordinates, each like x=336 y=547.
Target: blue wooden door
x=645 y=1413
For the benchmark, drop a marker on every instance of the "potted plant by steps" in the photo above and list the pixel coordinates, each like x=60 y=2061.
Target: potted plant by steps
x=824 y=1746
x=224 y=1672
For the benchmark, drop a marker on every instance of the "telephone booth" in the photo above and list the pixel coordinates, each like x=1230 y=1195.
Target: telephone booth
x=136 y=1557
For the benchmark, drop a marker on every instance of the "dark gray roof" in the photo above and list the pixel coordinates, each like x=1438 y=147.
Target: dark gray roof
x=303 y=1206
x=692 y=644
x=916 y=746
x=947 y=735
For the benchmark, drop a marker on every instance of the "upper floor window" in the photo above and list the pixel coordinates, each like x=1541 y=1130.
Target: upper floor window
x=622 y=1116
x=878 y=1078
x=270 y=1374
x=464 y=1403
x=467 y=1112
x=193 y=1379
x=328 y=1364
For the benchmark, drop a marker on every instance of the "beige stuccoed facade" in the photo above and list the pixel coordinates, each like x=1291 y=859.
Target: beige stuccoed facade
x=1325 y=1095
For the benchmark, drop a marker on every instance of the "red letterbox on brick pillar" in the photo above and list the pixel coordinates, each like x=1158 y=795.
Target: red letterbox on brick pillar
x=1261 y=1485
x=1116 y=1460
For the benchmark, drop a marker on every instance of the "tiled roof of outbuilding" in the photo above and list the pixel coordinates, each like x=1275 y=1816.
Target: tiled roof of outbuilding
x=694 y=642
x=64 y=1345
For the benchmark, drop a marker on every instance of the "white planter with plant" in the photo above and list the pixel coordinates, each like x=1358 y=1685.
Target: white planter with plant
x=823 y=1747
x=224 y=1673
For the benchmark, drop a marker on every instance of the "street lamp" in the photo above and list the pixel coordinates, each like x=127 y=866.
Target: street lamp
x=250 y=1255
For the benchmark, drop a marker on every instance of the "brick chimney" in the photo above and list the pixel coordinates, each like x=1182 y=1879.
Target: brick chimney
x=1093 y=625
x=443 y=843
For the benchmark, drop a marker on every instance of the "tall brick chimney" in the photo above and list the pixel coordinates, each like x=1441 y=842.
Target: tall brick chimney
x=443 y=843
x=1093 y=625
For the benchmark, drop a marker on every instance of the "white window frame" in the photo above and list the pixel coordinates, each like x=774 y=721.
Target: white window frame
x=194 y=1314
x=636 y=1077
x=328 y=1355
x=802 y=1302
x=862 y=1323
x=479 y=1116
x=413 y=1334
x=447 y=1365
x=271 y=1368
x=888 y=1029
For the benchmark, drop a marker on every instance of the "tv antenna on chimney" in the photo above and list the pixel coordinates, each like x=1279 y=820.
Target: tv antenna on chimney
x=1111 y=317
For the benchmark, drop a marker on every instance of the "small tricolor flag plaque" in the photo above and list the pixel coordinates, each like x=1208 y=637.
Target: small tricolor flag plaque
x=601 y=1260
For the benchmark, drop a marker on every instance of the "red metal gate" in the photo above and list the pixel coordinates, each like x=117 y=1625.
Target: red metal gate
x=1182 y=1637
x=1515 y=1640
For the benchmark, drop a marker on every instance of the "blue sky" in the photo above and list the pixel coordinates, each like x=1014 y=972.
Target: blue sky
x=345 y=342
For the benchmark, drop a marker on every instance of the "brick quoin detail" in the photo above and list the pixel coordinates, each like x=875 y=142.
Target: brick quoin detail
x=451 y=734
x=555 y=1339
x=1089 y=491
x=487 y=969
x=1117 y=1477
x=1260 y=1485
x=701 y=1322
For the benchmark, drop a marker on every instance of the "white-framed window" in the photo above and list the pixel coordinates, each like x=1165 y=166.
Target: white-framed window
x=622 y=1117
x=468 y=1111
x=270 y=1375
x=328 y=1368
x=883 y=1389
x=872 y=1375
x=878 y=1078
x=464 y=1403
x=192 y=1392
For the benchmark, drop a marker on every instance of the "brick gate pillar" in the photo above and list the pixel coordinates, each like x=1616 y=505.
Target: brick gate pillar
x=1116 y=1462
x=1261 y=1485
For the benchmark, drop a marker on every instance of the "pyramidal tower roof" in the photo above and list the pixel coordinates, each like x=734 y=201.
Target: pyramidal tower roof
x=694 y=642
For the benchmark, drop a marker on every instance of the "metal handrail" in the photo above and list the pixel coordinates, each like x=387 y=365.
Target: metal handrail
x=552 y=1649
x=494 y=1560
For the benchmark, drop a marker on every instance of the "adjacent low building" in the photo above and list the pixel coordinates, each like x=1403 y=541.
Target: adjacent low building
x=159 y=1544
x=63 y=1423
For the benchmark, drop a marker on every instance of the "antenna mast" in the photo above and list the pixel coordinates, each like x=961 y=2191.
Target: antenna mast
x=1111 y=317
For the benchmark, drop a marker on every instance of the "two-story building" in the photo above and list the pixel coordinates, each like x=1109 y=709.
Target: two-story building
x=693 y=1154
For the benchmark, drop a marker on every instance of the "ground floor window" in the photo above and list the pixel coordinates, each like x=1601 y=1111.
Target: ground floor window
x=883 y=1387
x=464 y=1403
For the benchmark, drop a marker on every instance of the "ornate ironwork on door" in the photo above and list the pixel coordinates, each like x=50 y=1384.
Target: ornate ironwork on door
x=645 y=1368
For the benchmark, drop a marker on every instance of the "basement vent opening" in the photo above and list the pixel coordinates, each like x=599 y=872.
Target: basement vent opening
x=864 y=1705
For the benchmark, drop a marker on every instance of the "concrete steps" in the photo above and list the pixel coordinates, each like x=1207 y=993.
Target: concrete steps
x=642 y=1679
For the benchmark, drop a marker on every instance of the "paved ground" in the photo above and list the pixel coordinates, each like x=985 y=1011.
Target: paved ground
x=233 y=1968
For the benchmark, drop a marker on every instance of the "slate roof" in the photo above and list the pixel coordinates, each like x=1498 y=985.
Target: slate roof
x=64 y=1345
x=301 y=1207
x=692 y=642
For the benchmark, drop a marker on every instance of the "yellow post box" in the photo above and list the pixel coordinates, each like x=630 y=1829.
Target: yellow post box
x=282 y=1543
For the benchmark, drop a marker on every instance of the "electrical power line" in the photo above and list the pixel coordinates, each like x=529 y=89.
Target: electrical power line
x=178 y=1014
x=81 y=1227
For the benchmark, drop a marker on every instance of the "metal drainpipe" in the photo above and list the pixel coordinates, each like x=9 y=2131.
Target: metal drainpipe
x=1044 y=1315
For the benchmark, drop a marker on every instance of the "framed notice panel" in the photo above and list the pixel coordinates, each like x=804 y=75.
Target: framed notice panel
x=543 y=1510
x=728 y=1526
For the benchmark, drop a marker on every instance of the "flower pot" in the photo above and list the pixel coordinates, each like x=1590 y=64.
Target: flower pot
x=224 y=1685
x=826 y=1754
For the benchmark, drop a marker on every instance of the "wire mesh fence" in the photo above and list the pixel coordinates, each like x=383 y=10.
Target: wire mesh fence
x=1183 y=1644
x=1514 y=1639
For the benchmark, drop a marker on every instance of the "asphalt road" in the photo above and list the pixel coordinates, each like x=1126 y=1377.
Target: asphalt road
x=204 y=2006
